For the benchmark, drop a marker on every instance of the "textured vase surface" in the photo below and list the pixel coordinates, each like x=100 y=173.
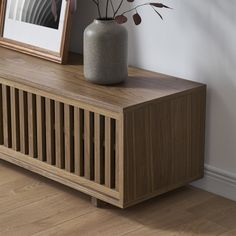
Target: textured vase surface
x=105 y=52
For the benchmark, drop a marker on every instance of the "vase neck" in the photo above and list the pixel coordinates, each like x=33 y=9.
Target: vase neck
x=104 y=21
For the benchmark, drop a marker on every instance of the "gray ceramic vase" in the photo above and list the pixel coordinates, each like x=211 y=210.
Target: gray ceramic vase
x=105 y=52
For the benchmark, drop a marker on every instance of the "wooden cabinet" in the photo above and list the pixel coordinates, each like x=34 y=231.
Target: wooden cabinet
x=121 y=144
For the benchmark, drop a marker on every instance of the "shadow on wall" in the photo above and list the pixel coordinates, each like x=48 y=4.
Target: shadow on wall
x=195 y=41
x=83 y=17
x=214 y=62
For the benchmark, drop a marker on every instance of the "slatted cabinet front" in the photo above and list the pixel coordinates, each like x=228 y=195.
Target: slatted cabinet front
x=73 y=139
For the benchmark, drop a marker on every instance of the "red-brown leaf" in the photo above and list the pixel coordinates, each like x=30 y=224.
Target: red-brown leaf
x=137 y=19
x=121 y=19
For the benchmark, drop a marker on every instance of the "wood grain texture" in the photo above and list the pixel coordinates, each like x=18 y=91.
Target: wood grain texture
x=50 y=131
x=99 y=156
x=24 y=137
x=41 y=128
x=118 y=155
x=68 y=83
x=89 y=145
x=1 y=117
x=32 y=125
x=52 y=209
x=170 y=135
x=69 y=142
x=6 y=116
x=97 y=203
x=69 y=179
x=15 y=124
x=109 y=153
x=79 y=141
x=59 y=135
x=121 y=144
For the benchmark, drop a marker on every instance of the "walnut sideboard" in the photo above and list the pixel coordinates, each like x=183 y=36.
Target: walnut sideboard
x=119 y=144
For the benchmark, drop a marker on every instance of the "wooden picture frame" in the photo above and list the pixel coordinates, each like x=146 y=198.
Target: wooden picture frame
x=58 y=57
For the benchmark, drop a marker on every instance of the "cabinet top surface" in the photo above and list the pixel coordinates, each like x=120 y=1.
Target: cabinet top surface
x=68 y=81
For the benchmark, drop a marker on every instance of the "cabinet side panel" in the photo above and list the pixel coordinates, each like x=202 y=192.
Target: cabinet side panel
x=164 y=145
x=137 y=160
x=161 y=144
x=198 y=117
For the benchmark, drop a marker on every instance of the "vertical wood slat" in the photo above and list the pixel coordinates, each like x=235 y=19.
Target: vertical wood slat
x=113 y=153
x=109 y=153
x=1 y=117
x=88 y=144
x=69 y=149
x=99 y=148
x=59 y=135
x=24 y=145
x=117 y=154
x=40 y=104
x=78 y=139
x=32 y=129
x=6 y=116
x=50 y=135
x=15 y=119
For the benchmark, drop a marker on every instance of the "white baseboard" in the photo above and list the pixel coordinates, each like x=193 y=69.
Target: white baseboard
x=217 y=181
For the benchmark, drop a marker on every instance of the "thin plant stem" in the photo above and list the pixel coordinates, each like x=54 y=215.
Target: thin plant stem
x=96 y=2
x=112 y=6
x=135 y=8
x=118 y=8
x=107 y=5
x=99 y=10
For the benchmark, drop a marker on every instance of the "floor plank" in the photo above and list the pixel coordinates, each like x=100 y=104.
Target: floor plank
x=33 y=205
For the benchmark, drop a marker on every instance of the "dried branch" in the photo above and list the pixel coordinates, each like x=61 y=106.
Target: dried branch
x=112 y=6
x=96 y=2
x=118 y=8
x=107 y=5
x=135 y=8
x=121 y=18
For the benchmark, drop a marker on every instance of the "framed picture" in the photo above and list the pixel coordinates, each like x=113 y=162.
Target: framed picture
x=37 y=27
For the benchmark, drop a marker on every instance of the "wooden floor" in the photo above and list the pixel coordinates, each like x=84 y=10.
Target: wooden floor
x=32 y=205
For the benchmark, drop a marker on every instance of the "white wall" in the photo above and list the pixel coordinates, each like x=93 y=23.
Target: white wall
x=196 y=41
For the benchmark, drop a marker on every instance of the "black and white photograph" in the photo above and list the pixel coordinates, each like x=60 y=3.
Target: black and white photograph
x=39 y=12
x=117 y=118
x=37 y=27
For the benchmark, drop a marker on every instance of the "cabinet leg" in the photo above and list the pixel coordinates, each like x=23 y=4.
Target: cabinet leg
x=97 y=203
